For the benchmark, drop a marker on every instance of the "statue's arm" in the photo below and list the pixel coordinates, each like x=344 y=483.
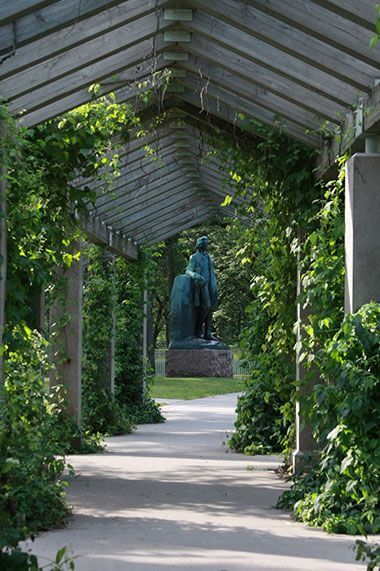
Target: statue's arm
x=193 y=271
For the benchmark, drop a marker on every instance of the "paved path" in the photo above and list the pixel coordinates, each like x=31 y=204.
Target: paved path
x=172 y=497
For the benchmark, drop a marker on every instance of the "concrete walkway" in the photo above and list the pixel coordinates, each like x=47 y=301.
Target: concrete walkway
x=172 y=497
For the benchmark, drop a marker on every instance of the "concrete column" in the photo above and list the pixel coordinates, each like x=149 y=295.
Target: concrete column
x=66 y=325
x=3 y=264
x=362 y=230
x=306 y=380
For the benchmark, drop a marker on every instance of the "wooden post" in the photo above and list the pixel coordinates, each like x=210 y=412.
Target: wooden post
x=145 y=338
x=306 y=379
x=3 y=266
x=66 y=325
x=110 y=259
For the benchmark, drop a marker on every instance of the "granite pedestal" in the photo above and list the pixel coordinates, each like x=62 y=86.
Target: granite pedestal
x=199 y=363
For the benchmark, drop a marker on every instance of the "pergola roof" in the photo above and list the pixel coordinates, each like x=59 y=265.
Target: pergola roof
x=306 y=63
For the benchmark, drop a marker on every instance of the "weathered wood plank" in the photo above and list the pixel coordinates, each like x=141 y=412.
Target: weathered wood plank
x=80 y=79
x=11 y=10
x=322 y=24
x=172 y=232
x=110 y=21
x=335 y=62
x=272 y=102
x=229 y=108
x=363 y=12
x=348 y=137
x=92 y=52
x=99 y=233
x=42 y=106
x=242 y=67
x=210 y=29
x=171 y=222
x=185 y=200
x=136 y=164
x=155 y=194
x=53 y=17
x=174 y=229
x=131 y=199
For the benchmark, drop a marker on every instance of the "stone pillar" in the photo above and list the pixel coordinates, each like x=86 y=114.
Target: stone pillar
x=306 y=379
x=362 y=230
x=3 y=264
x=66 y=326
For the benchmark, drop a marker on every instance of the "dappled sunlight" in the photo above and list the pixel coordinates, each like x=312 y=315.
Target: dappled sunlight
x=173 y=496
x=164 y=542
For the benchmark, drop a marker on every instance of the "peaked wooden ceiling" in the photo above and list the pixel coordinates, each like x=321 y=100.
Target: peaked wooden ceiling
x=305 y=63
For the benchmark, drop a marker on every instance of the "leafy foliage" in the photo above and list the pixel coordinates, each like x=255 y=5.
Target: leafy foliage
x=44 y=202
x=277 y=187
x=45 y=164
x=341 y=493
x=101 y=411
x=30 y=438
x=369 y=553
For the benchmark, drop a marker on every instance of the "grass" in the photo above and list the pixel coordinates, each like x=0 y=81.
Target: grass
x=193 y=387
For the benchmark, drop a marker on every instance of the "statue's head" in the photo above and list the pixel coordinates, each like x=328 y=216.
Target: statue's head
x=202 y=243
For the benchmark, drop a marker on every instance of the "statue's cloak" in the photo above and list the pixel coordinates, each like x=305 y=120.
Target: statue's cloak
x=201 y=263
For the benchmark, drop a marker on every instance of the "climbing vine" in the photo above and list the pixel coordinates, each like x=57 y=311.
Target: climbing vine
x=47 y=168
x=277 y=188
x=101 y=411
x=296 y=221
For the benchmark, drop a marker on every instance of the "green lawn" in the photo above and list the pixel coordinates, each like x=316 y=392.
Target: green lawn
x=193 y=388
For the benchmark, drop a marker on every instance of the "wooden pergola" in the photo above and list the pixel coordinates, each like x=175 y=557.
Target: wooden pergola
x=305 y=64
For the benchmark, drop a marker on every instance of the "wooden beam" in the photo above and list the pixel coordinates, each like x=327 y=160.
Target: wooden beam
x=131 y=201
x=111 y=194
x=289 y=40
x=137 y=165
x=111 y=21
x=156 y=194
x=100 y=53
x=171 y=223
x=291 y=68
x=331 y=28
x=170 y=211
x=264 y=78
x=99 y=233
x=57 y=15
x=10 y=11
x=355 y=127
x=176 y=229
x=362 y=12
x=78 y=81
x=222 y=79
x=230 y=107
x=47 y=103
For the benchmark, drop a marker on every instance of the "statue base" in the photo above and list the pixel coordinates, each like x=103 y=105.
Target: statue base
x=205 y=362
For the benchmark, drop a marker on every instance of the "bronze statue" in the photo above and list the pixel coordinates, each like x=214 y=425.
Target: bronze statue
x=193 y=350
x=201 y=271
